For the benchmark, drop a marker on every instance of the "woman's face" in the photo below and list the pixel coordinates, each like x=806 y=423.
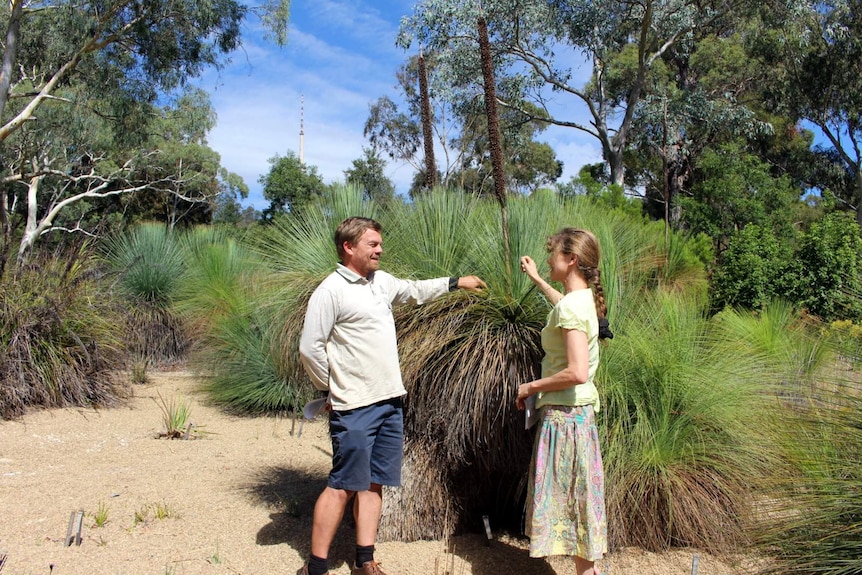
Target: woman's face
x=560 y=264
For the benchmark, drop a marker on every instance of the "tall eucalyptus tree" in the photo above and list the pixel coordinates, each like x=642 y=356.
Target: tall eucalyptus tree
x=111 y=60
x=538 y=47
x=821 y=56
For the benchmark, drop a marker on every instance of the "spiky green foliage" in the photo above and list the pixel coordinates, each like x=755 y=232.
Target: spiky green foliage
x=679 y=401
x=811 y=521
x=249 y=370
x=239 y=352
x=303 y=244
x=176 y=413
x=692 y=424
x=247 y=300
x=810 y=508
x=463 y=356
x=58 y=336
x=784 y=344
x=295 y=253
x=218 y=276
x=148 y=259
x=148 y=263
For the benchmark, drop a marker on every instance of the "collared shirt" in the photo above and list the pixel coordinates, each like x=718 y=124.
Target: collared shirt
x=348 y=344
x=577 y=310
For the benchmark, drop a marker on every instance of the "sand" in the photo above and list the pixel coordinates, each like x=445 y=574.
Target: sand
x=237 y=498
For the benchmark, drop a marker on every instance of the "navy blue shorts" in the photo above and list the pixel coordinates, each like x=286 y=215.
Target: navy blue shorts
x=367 y=445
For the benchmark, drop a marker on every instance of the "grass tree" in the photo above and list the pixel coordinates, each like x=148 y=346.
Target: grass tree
x=688 y=418
x=692 y=425
x=247 y=299
x=239 y=353
x=148 y=263
x=464 y=356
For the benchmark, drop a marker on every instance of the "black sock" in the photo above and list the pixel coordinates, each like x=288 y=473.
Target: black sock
x=317 y=566
x=364 y=554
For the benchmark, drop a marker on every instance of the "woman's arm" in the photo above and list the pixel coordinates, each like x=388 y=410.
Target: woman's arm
x=577 y=370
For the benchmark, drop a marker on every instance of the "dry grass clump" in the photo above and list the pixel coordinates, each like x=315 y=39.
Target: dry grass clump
x=58 y=337
x=156 y=335
x=424 y=506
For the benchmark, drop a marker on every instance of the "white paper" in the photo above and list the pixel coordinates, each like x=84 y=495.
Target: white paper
x=531 y=414
x=314 y=407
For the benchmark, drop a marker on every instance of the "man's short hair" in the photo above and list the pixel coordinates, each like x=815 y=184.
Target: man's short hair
x=351 y=230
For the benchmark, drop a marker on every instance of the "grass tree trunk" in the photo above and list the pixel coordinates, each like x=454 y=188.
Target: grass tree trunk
x=494 y=134
x=427 y=135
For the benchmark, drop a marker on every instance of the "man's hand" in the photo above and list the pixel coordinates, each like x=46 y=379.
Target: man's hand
x=471 y=283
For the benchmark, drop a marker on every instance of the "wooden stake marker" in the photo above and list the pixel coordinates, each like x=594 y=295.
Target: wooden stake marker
x=73 y=532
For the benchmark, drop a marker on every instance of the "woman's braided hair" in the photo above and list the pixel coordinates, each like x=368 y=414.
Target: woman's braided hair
x=584 y=245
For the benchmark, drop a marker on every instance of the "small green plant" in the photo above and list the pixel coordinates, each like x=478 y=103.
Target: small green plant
x=175 y=417
x=156 y=511
x=142 y=514
x=100 y=517
x=164 y=511
x=215 y=558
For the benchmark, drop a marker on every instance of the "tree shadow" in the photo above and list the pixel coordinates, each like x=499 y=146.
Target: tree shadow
x=291 y=494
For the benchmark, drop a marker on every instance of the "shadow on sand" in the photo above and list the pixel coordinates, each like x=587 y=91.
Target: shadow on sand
x=292 y=494
x=496 y=556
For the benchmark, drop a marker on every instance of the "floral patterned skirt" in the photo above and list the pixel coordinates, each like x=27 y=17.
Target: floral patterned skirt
x=566 y=492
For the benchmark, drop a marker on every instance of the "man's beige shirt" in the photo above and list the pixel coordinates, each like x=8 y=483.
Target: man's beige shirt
x=348 y=345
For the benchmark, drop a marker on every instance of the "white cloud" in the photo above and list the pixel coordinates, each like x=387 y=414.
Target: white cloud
x=575 y=153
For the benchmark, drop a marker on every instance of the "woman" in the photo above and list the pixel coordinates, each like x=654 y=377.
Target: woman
x=565 y=498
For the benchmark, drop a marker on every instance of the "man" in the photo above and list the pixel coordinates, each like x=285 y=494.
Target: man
x=348 y=347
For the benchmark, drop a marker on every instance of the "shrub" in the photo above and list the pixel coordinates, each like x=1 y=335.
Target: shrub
x=830 y=260
x=58 y=336
x=755 y=269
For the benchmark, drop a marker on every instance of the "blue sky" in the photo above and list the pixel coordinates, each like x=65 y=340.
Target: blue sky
x=340 y=57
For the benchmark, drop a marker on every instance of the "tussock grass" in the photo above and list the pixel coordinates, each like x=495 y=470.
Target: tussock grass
x=811 y=520
x=689 y=427
x=58 y=336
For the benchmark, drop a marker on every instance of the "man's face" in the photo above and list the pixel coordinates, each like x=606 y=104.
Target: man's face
x=364 y=256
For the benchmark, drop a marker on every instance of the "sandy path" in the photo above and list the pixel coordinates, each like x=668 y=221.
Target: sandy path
x=237 y=500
